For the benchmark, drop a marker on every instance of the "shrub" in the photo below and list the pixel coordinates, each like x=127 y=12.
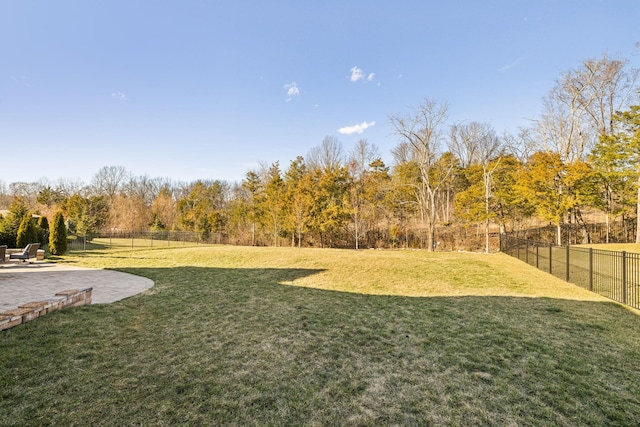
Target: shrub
x=43 y=222
x=27 y=232
x=11 y=223
x=58 y=235
x=43 y=231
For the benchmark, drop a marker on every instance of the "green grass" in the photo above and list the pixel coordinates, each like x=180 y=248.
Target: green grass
x=264 y=336
x=629 y=247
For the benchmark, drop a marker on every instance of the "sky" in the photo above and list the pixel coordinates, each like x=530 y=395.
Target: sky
x=196 y=89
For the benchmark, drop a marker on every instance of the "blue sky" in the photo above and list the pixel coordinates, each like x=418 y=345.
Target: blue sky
x=208 y=89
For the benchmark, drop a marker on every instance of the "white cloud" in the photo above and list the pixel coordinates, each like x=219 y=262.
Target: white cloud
x=359 y=128
x=356 y=74
x=119 y=96
x=292 y=90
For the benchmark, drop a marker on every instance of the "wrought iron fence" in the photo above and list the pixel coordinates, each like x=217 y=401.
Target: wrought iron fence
x=141 y=239
x=613 y=274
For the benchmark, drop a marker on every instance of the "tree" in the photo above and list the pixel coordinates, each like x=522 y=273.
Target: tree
x=86 y=214
x=624 y=145
x=329 y=199
x=108 y=180
x=362 y=155
x=202 y=209
x=9 y=226
x=403 y=199
x=613 y=178
x=297 y=196
x=164 y=209
x=543 y=182
x=581 y=106
x=253 y=185
x=477 y=144
x=420 y=130
x=42 y=228
x=58 y=235
x=50 y=197
x=520 y=145
x=27 y=232
x=328 y=155
x=273 y=199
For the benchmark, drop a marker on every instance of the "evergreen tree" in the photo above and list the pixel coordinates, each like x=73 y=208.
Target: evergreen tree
x=27 y=232
x=58 y=235
x=43 y=223
x=42 y=229
x=11 y=223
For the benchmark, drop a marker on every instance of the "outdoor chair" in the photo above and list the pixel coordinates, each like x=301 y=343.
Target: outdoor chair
x=3 y=253
x=30 y=251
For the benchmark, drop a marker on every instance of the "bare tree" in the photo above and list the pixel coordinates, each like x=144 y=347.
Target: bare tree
x=362 y=155
x=27 y=191
x=421 y=130
x=109 y=180
x=5 y=197
x=329 y=155
x=401 y=153
x=582 y=103
x=473 y=143
x=68 y=187
x=144 y=188
x=521 y=145
x=603 y=87
x=477 y=143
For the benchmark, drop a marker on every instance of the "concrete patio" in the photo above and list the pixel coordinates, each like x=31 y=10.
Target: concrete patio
x=21 y=283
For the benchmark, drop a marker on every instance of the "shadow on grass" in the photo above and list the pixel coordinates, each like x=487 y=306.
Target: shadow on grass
x=220 y=346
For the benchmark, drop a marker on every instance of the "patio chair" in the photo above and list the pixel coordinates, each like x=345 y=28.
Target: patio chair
x=30 y=251
x=3 y=254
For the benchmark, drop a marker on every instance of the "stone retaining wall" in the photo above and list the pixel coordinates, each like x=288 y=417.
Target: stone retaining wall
x=32 y=310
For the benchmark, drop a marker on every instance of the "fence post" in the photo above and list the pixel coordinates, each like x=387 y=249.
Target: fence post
x=566 y=276
x=550 y=263
x=526 y=254
x=591 y=269
x=537 y=255
x=624 y=277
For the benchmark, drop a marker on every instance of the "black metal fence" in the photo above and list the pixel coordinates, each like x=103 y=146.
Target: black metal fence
x=613 y=274
x=141 y=239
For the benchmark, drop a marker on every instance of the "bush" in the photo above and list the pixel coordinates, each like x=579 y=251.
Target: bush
x=58 y=235
x=27 y=232
x=43 y=231
x=10 y=224
x=43 y=222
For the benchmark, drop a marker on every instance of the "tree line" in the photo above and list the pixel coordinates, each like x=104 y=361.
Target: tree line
x=449 y=184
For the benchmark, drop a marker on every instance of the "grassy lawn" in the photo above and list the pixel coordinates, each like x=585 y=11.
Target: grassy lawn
x=629 y=247
x=279 y=336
